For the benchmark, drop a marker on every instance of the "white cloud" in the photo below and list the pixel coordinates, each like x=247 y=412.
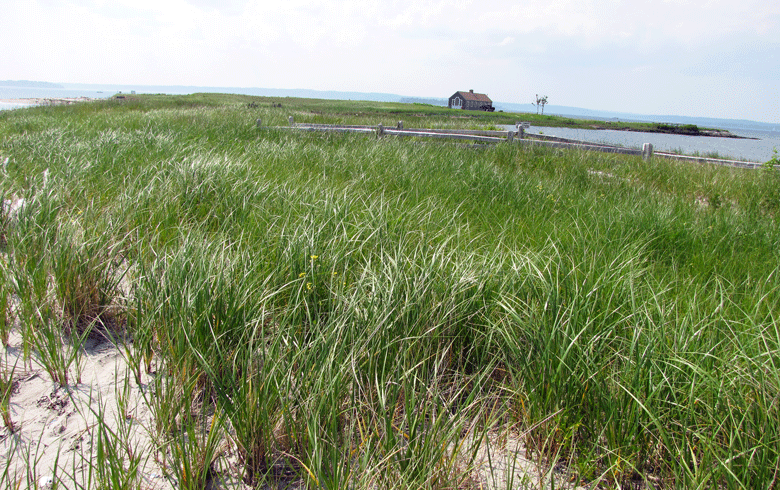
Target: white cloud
x=403 y=46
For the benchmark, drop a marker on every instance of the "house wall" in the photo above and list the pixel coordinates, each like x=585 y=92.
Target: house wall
x=471 y=105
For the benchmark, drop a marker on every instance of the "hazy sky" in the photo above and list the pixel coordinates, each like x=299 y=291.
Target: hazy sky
x=717 y=58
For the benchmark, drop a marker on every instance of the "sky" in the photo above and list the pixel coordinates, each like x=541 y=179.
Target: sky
x=707 y=58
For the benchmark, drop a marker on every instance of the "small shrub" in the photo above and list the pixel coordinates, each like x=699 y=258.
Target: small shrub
x=775 y=160
x=770 y=185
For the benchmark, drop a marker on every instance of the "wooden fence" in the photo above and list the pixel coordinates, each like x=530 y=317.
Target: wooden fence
x=518 y=137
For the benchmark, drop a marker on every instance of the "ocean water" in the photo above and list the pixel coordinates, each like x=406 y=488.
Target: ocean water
x=47 y=93
x=755 y=150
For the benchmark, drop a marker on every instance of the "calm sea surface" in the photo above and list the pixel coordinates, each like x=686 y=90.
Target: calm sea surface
x=31 y=93
x=46 y=93
x=755 y=150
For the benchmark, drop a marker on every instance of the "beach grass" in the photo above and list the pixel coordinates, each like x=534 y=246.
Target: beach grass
x=337 y=310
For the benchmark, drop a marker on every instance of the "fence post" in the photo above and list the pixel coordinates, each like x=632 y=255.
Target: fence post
x=647 y=151
x=292 y=122
x=510 y=136
x=380 y=130
x=259 y=122
x=400 y=125
x=521 y=126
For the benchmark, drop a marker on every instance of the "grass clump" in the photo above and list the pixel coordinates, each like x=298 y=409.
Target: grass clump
x=86 y=268
x=7 y=386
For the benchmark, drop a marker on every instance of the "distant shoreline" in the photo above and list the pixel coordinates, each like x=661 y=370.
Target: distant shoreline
x=714 y=133
x=46 y=100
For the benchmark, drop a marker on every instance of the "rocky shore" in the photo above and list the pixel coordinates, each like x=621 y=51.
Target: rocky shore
x=672 y=129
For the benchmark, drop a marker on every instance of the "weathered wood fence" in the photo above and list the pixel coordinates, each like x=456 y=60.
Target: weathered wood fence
x=517 y=136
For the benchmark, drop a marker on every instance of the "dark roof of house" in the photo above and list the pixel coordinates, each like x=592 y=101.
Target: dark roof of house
x=473 y=96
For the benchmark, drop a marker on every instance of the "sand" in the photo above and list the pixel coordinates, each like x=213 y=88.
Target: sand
x=45 y=101
x=55 y=428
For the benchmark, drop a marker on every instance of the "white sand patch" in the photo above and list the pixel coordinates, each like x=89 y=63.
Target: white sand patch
x=56 y=429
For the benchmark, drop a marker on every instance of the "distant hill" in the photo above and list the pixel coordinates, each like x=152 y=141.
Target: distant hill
x=420 y=100
x=28 y=84
x=580 y=113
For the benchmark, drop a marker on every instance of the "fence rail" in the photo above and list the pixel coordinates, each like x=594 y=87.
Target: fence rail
x=517 y=137
x=716 y=161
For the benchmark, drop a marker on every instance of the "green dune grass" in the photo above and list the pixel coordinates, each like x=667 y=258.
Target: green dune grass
x=368 y=313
